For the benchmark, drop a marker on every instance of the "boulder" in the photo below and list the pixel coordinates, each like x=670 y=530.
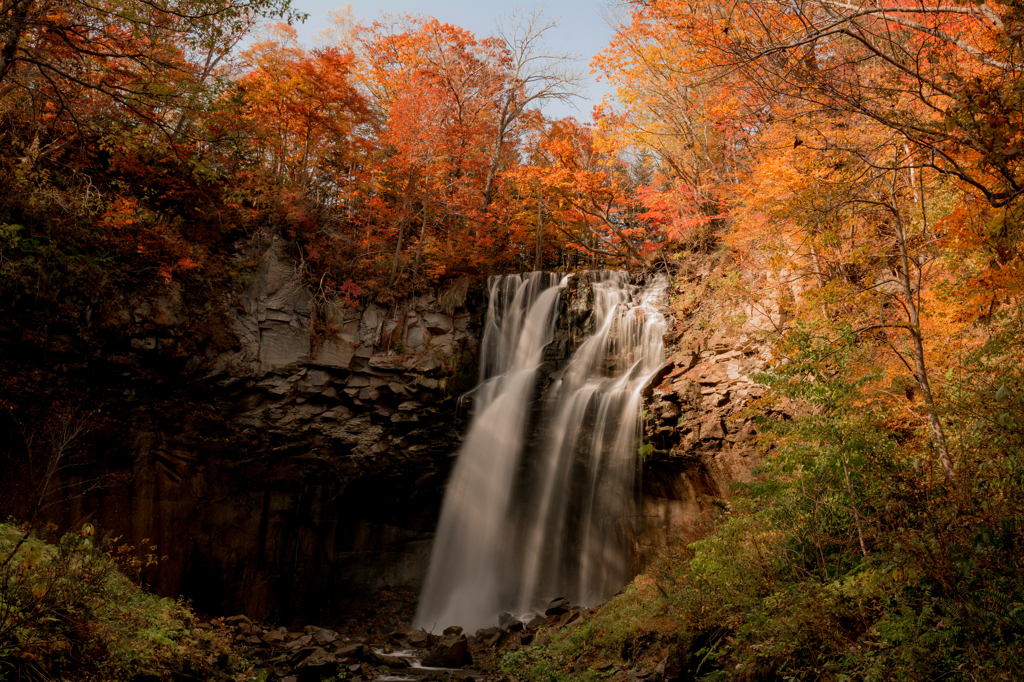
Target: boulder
x=318 y=665
x=451 y=651
x=420 y=639
x=486 y=633
x=393 y=662
x=275 y=636
x=355 y=650
x=303 y=641
x=557 y=606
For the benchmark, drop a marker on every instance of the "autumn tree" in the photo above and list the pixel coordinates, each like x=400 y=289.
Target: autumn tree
x=432 y=87
x=684 y=106
x=141 y=56
x=302 y=112
x=531 y=74
x=584 y=173
x=859 y=125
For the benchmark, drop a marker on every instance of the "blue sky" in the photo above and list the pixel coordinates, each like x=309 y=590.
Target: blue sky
x=582 y=28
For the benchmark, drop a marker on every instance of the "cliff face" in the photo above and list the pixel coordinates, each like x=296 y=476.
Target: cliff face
x=699 y=432
x=697 y=436
x=298 y=472
x=697 y=439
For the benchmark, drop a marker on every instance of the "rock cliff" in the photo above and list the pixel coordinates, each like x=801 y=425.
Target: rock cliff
x=699 y=430
x=296 y=467
x=297 y=470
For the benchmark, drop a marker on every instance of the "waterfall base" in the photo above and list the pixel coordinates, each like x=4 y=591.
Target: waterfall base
x=544 y=494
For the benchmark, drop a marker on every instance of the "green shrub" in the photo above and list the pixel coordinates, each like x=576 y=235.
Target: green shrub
x=68 y=612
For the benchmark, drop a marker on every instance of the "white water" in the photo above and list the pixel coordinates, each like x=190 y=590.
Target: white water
x=541 y=501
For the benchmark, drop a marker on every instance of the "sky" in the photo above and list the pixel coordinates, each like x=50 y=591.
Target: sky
x=582 y=30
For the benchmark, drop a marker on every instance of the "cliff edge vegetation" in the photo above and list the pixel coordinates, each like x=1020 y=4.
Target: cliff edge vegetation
x=70 y=610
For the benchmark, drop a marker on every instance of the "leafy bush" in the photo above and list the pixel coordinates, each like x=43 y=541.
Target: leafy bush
x=855 y=557
x=67 y=612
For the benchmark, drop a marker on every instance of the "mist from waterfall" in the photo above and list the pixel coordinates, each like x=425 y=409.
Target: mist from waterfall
x=542 y=497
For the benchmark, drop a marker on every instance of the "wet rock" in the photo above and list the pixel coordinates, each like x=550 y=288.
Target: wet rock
x=451 y=651
x=570 y=618
x=420 y=639
x=299 y=655
x=302 y=641
x=556 y=607
x=536 y=622
x=393 y=662
x=318 y=665
x=453 y=630
x=324 y=636
x=356 y=650
x=486 y=633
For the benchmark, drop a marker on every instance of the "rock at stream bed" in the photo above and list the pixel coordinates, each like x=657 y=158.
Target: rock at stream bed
x=317 y=666
x=357 y=651
x=420 y=639
x=556 y=607
x=393 y=662
x=451 y=651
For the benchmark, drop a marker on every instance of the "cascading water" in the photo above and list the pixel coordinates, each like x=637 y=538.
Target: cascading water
x=527 y=518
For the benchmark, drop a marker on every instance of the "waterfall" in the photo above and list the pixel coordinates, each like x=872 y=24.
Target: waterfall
x=542 y=496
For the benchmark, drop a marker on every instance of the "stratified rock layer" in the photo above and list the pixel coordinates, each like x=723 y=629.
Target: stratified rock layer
x=296 y=473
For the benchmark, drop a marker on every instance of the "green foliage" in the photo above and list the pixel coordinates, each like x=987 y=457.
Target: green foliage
x=853 y=557
x=68 y=612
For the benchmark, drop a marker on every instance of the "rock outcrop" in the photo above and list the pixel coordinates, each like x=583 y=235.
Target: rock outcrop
x=297 y=470
x=699 y=435
x=697 y=439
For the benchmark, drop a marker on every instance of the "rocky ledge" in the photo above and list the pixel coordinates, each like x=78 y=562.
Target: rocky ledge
x=312 y=653
x=699 y=437
x=295 y=466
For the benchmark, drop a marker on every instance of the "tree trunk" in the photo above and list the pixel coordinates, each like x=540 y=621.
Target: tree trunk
x=499 y=142
x=419 y=246
x=538 y=258
x=401 y=227
x=14 y=25
x=920 y=369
